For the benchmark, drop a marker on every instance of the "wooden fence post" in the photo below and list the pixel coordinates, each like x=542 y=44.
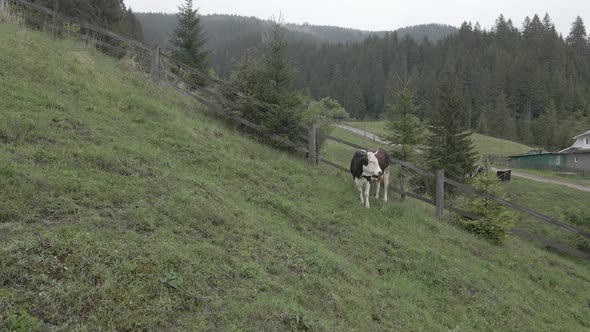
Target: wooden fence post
x=440 y=193
x=312 y=144
x=2 y=5
x=156 y=63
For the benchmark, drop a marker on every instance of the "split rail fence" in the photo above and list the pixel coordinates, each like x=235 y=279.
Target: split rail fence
x=219 y=97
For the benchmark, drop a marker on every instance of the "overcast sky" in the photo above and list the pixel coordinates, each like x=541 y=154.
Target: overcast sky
x=385 y=14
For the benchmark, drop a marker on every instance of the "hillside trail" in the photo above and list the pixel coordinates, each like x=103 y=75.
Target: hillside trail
x=537 y=178
x=363 y=133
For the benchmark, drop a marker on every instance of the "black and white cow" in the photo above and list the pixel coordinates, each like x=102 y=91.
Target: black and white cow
x=366 y=165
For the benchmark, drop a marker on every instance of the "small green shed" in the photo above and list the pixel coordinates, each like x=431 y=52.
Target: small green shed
x=539 y=160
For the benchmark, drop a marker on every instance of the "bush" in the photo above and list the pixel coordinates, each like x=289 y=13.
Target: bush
x=496 y=219
x=578 y=217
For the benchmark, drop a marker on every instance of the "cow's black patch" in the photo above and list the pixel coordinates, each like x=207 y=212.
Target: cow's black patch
x=359 y=160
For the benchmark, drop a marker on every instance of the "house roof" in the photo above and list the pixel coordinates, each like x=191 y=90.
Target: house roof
x=575 y=150
x=584 y=134
x=534 y=154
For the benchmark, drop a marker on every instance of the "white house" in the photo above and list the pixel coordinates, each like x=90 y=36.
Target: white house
x=578 y=155
x=582 y=143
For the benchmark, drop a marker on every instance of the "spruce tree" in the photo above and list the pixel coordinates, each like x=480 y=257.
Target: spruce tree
x=482 y=123
x=188 y=40
x=501 y=122
x=286 y=106
x=496 y=219
x=405 y=131
x=451 y=147
x=546 y=128
x=578 y=37
x=269 y=79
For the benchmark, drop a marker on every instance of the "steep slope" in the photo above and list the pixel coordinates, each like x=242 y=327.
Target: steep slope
x=125 y=207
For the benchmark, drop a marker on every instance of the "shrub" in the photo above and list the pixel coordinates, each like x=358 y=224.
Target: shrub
x=495 y=219
x=578 y=217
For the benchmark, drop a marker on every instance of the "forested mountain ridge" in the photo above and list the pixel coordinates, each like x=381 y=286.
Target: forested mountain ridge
x=157 y=27
x=529 y=84
x=229 y=36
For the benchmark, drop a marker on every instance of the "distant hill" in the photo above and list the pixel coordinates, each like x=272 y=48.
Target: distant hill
x=158 y=26
x=229 y=36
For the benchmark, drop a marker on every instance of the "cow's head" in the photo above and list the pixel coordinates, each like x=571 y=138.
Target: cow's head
x=371 y=165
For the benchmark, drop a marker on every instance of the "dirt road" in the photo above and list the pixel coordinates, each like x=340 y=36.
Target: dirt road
x=544 y=179
x=361 y=132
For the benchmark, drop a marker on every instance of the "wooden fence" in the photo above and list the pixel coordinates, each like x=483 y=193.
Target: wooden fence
x=218 y=96
x=439 y=202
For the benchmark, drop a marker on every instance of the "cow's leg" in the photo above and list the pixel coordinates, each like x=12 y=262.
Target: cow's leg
x=385 y=183
x=359 y=186
x=367 y=190
x=378 y=183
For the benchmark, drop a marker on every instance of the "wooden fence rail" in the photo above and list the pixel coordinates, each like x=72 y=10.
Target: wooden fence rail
x=440 y=206
x=516 y=207
x=468 y=189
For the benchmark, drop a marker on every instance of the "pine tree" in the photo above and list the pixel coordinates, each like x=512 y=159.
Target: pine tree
x=482 y=124
x=405 y=131
x=496 y=219
x=285 y=104
x=546 y=128
x=578 y=37
x=525 y=132
x=501 y=123
x=188 y=40
x=451 y=147
x=269 y=79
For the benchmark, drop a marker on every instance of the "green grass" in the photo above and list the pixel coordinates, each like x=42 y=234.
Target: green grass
x=125 y=207
x=483 y=144
x=556 y=201
x=497 y=146
x=550 y=199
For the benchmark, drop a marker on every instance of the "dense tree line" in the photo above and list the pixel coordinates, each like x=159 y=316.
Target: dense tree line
x=109 y=14
x=525 y=83
x=230 y=36
x=528 y=84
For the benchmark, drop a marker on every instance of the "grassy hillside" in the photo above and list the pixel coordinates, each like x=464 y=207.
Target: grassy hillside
x=124 y=207
x=483 y=144
x=566 y=204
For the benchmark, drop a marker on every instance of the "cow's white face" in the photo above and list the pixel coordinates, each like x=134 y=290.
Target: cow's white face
x=372 y=169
